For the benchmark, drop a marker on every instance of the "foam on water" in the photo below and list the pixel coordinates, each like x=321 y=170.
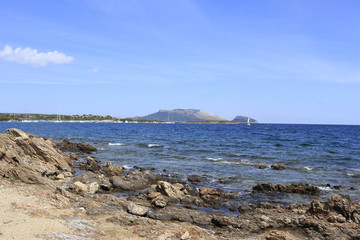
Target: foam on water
x=116 y=144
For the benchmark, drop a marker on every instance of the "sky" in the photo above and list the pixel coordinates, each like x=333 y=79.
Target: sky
x=278 y=61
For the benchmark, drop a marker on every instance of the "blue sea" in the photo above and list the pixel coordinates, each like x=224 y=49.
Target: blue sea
x=322 y=155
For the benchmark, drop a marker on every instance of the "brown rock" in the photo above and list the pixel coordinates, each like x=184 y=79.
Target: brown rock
x=29 y=158
x=170 y=190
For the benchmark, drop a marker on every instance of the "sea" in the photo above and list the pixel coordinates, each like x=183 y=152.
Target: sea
x=228 y=156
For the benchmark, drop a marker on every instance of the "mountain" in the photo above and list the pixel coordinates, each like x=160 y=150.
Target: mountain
x=183 y=115
x=243 y=119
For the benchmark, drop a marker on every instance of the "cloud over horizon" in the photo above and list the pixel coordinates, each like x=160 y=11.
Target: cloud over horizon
x=33 y=57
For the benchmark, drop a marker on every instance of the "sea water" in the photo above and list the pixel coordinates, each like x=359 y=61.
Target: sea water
x=322 y=155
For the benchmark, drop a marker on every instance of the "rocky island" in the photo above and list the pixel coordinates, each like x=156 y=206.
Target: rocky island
x=56 y=190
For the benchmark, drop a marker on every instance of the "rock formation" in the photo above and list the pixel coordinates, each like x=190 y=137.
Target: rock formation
x=30 y=158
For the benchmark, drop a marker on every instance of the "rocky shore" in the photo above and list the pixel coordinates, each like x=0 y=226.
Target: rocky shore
x=56 y=190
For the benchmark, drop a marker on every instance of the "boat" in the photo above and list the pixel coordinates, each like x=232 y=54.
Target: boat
x=248 y=121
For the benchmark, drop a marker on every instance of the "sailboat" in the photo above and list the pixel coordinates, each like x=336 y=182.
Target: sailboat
x=248 y=121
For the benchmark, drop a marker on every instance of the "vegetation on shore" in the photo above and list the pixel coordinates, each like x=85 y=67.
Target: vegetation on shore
x=57 y=117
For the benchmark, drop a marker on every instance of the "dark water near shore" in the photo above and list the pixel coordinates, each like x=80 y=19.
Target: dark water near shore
x=317 y=154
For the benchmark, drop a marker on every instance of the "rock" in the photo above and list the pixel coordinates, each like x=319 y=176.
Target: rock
x=93 y=187
x=185 y=236
x=341 y=204
x=279 y=235
x=279 y=166
x=210 y=191
x=196 y=178
x=160 y=201
x=181 y=214
x=60 y=176
x=78 y=187
x=153 y=195
x=73 y=156
x=113 y=170
x=170 y=190
x=137 y=209
x=67 y=146
x=300 y=188
x=29 y=158
x=134 y=180
x=335 y=218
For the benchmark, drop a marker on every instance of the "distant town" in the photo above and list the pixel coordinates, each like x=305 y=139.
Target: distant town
x=162 y=116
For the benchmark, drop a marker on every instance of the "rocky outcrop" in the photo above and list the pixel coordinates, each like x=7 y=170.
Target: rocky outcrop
x=300 y=188
x=67 y=146
x=29 y=158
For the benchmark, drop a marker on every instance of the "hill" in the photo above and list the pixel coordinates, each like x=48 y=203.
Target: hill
x=182 y=115
x=243 y=119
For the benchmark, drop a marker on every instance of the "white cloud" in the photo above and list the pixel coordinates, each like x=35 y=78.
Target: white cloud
x=33 y=57
x=94 y=70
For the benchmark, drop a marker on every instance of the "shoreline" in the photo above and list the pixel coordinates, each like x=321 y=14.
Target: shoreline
x=156 y=206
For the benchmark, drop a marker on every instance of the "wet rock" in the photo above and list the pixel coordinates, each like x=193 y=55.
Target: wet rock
x=29 y=158
x=171 y=190
x=279 y=166
x=137 y=209
x=227 y=180
x=73 y=156
x=67 y=146
x=196 y=178
x=299 y=188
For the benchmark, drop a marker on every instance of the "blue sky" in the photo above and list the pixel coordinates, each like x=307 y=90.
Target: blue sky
x=293 y=61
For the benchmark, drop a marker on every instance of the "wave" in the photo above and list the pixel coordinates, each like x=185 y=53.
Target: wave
x=214 y=159
x=308 y=168
x=152 y=145
x=116 y=144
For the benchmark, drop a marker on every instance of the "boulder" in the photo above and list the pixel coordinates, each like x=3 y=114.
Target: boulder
x=79 y=187
x=137 y=209
x=29 y=158
x=135 y=180
x=171 y=190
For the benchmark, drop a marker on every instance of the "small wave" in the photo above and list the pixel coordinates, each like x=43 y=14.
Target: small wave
x=127 y=167
x=308 y=168
x=116 y=144
x=353 y=175
x=214 y=159
x=325 y=188
x=154 y=145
